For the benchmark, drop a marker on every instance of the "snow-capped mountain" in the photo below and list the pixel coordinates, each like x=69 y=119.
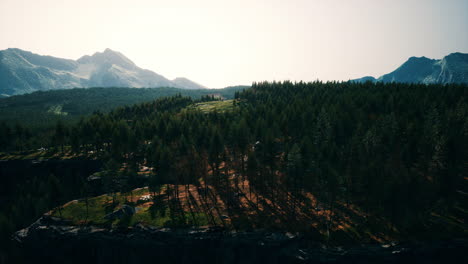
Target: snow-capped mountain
x=24 y=72
x=451 y=69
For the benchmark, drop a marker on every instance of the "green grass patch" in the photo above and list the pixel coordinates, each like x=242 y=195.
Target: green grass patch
x=77 y=213
x=159 y=214
x=219 y=106
x=57 y=110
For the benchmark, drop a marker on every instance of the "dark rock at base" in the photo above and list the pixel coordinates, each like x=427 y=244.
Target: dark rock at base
x=126 y=210
x=49 y=240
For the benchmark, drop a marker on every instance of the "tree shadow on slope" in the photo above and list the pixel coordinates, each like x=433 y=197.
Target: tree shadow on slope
x=159 y=207
x=244 y=214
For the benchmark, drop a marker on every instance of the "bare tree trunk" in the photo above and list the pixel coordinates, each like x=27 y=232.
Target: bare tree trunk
x=60 y=210
x=87 y=208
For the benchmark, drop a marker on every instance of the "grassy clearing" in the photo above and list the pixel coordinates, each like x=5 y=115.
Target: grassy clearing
x=57 y=110
x=220 y=106
x=75 y=211
x=155 y=213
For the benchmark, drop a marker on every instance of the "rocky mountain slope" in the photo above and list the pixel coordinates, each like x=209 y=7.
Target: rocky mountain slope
x=24 y=72
x=451 y=69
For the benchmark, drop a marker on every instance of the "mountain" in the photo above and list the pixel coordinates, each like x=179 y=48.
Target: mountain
x=451 y=69
x=24 y=72
x=188 y=84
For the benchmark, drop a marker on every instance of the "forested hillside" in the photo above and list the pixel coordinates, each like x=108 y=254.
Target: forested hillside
x=40 y=109
x=344 y=161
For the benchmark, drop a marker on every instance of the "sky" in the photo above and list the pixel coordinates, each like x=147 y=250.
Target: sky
x=221 y=43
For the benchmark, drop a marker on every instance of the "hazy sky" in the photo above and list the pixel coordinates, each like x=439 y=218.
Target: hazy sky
x=219 y=43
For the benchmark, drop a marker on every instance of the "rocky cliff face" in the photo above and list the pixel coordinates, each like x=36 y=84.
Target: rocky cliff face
x=54 y=241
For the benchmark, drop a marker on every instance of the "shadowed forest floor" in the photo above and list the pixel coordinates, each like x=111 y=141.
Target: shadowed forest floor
x=237 y=207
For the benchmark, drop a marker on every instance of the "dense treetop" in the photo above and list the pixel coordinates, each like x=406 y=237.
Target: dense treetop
x=44 y=108
x=397 y=151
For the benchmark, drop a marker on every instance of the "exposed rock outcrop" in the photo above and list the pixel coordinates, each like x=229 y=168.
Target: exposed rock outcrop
x=54 y=241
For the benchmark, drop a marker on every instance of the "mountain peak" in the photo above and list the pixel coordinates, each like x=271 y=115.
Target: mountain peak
x=457 y=55
x=419 y=59
x=24 y=71
x=19 y=51
x=453 y=68
x=187 y=84
x=109 y=52
x=15 y=49
x=108 y=57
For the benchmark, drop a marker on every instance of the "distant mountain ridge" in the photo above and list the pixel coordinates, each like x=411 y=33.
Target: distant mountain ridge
x=24 y=72
x=453 y=68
